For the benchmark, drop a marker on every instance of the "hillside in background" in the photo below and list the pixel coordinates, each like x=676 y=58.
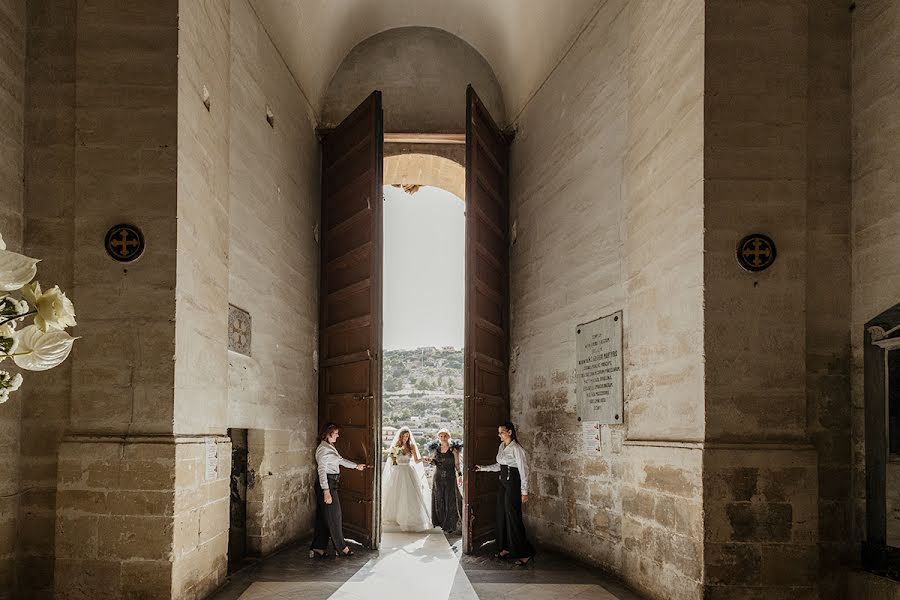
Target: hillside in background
x=423 y=390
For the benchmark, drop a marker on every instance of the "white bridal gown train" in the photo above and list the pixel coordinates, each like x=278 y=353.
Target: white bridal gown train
x=405 y=502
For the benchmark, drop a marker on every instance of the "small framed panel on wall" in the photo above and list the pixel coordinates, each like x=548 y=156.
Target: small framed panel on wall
x=598 y=352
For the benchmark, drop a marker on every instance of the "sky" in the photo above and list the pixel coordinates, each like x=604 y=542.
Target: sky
x=424 y=268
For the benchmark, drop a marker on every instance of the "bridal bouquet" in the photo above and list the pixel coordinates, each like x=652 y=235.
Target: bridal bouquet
x=42 y=345
x=393 y=453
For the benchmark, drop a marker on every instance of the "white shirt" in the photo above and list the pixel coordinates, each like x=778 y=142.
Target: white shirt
x=512 y=455
x=329 y=462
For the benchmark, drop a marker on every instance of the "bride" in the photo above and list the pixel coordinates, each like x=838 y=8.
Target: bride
x=404 y=489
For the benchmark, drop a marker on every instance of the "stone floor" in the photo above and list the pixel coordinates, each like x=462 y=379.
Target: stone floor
x=414 y=567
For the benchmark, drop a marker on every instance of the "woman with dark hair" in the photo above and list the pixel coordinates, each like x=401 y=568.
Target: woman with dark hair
x=328 y=503
x=446 y=500
x=512 y=493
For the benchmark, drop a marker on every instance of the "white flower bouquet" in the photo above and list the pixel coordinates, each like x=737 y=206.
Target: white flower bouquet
x=42 y=345
x=394 y=452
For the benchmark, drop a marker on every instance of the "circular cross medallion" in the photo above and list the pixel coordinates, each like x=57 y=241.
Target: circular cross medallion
x=756 y=252
x=124 y=243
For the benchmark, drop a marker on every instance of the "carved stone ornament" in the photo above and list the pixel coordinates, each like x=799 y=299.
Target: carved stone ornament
x=756 y=252
x=239 y=328
x=124 y=243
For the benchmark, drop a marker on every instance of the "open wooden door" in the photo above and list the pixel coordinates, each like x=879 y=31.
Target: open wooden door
x=350 y=300
x=487 y=314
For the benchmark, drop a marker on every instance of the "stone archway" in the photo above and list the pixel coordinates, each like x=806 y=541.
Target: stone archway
x=412 y=169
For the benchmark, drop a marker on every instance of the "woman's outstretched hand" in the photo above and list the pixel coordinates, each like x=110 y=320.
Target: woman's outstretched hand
x=524 y=498
x=361 y=467
x=477 y=467
x=327 y=496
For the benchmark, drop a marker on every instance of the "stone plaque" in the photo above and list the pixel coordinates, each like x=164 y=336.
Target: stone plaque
x=238 y=330
x=598 y=352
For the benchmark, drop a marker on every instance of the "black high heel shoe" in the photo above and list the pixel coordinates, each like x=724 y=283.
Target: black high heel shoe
x=524 y=563
x=348 y=553
x=500 y=555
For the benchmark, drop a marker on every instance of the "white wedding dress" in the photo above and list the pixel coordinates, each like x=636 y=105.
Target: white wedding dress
x=405 y=497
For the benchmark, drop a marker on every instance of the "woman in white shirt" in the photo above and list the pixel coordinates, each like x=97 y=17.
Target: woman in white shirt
x=328 y=503
x=512 y=493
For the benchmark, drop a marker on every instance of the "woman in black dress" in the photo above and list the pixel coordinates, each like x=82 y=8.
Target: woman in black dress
x=512 y=493
x=446 y=500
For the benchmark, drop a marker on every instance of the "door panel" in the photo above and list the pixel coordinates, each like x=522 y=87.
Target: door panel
x=350 y=320
x=487 y=314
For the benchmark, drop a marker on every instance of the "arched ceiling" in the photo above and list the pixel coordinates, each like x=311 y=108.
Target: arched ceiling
x=522 y=40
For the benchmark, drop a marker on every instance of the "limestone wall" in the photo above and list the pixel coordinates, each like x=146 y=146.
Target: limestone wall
x=12 y=117
x=760 y=474
x=827 y=285
x=422 y=73
x=201 y=503
x=875 y=217
x=116 y=474
x=49 y=210
x=273 y=274
x=607 y=199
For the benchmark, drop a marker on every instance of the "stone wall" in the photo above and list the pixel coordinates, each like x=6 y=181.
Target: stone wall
x=273 y=274
x=201 y=508
x=827 y=272
x=422 y=74
x=875 y=218
x=49 y=235
x=760 y=474
x=607 y=200
x=12 y=117
x=114 y=505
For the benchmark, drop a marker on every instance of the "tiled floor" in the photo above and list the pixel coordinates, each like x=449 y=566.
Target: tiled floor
x=413 y=566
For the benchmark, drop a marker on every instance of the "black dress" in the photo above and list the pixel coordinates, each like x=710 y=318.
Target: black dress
x=446 y=501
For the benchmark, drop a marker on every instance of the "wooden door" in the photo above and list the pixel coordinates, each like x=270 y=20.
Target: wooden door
x=350 y=303
x=487 y=314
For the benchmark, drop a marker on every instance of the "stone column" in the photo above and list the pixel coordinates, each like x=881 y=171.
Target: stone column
x=141 y=510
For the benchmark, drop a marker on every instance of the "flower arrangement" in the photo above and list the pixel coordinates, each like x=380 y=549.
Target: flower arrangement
x=393 y=453
x=435 y=444
x=42 y=345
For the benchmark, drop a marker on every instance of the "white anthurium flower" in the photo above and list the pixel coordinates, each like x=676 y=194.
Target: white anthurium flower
x=2 y=243
x=16 y=270
x=4 y=395
x=41 y=350
x=54 y=310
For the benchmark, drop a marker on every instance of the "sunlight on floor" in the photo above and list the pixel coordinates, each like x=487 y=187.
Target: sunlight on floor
x=413 y=565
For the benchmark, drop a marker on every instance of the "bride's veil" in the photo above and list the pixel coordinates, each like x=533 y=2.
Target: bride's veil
x=387 y=471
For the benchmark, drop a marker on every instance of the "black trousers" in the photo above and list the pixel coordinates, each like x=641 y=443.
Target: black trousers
x=511 y=534
x=328 y=517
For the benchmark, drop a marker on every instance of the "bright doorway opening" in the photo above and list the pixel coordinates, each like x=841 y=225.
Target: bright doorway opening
x=423 y=333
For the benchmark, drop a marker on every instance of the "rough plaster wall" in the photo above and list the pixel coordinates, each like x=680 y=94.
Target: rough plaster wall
x=607 y=196
x=760 y=473
x=875 y=216
x=12 y=116
x=273 y=274
x=422 y=73
x=49 y=235
x=201 y=510
x=828 y=284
